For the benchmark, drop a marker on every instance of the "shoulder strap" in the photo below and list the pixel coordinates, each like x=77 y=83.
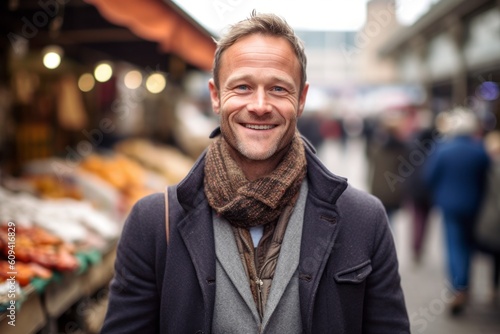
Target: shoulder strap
x=167 y=224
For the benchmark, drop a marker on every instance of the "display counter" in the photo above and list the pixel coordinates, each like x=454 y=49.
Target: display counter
x=28 y=320
x=40 y=310
x=65 y=225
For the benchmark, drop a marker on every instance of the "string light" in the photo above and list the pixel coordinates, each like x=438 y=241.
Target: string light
x=156 y=83
x=133 y=79
x=103 y=72
x=86 y=82
x=52 y=56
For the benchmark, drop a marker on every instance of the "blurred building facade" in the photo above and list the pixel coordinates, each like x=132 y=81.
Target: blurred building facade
x=341 y=58
x=454 y=52
x=347 y=66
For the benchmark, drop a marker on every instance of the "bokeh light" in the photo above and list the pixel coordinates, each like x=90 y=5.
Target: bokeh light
x=488 y=91
x=103 y=72
x=133 y=79
x=52 y=56
x=156 y=83
x=86 y=82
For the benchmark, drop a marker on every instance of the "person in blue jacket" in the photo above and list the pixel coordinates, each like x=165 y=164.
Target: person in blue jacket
x=262 y=237
x=456 y=173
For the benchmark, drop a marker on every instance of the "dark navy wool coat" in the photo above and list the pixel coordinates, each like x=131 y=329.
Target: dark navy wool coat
x=348 y=270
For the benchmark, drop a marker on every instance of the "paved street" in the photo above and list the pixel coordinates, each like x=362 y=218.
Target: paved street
x=425 y=284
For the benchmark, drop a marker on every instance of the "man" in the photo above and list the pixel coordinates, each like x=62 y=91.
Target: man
x=263 y=238
x=456 y=174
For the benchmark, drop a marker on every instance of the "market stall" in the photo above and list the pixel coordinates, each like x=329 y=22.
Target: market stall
x=58 y=233
x=89 y=120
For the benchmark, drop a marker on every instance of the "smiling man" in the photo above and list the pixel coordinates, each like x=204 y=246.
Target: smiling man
x=259 y=95
x=262 y=238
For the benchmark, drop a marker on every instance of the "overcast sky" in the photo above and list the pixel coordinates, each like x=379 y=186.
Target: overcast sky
x=215 y=15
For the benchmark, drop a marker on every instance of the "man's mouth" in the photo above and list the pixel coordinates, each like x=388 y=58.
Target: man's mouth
x=259 y=127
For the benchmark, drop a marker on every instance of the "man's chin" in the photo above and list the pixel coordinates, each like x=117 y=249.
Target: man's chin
x=258 y=155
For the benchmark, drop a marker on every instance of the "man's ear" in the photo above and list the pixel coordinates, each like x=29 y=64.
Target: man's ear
x=302 y=99
x=214 y=96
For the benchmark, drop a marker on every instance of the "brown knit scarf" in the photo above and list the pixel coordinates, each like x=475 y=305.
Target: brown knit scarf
x=252 y=203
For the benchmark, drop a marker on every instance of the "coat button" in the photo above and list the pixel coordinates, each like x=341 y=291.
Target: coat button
x=199 y=332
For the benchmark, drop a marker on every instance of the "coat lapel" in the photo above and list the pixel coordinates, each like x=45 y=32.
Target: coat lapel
x=195 y=227
x=319 y=232
x=197 y=233
x=318 y=238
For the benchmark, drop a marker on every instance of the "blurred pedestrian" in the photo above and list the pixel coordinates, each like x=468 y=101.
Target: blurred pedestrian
x=418 y=194
x=487 y=230
x=387 y=149
x=309 y=126
x=456 y=173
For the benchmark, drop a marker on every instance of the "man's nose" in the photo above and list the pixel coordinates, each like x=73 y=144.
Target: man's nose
x=260 y=103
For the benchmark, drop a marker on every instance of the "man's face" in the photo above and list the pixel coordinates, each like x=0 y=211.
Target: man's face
x=258 y=98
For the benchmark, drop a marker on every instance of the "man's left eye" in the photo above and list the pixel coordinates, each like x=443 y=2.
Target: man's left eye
x=278 y=89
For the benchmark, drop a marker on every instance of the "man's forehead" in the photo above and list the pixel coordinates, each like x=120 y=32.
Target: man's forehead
x=260 y=46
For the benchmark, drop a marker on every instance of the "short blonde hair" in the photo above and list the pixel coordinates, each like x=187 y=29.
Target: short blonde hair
x=462 y=121
x=266 y=24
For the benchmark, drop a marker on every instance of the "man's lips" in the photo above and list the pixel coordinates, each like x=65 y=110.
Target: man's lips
x=260 y=126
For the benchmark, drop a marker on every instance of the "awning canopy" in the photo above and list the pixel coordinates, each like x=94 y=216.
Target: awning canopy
x=164 y=23
x=146 y=33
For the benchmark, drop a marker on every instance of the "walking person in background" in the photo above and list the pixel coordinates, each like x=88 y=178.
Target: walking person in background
x=418 y=195
x=456 y=173
x=487 y=229
x=385 y=148
x=262 y=237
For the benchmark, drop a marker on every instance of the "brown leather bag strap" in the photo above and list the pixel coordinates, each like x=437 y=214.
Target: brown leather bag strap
x=167 y=224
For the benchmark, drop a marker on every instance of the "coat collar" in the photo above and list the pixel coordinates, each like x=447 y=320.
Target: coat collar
x=325 y=184
x=190 y=190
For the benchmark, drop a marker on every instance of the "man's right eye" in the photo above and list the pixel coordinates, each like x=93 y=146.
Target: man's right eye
x=242 y=87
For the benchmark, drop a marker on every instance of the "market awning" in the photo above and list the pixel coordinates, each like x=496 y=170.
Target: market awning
x=146 y=33
x=164 y=23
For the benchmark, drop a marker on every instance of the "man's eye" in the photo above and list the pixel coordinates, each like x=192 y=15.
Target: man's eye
x=242 y=87
x=278 y=89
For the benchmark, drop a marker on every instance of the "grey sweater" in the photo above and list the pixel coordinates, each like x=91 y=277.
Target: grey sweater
x=234 y=309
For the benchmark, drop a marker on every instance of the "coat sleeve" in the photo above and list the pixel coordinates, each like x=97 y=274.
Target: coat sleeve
x=384 y=307
x=134 y=298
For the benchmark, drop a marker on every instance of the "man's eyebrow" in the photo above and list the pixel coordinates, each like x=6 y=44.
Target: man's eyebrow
x=238 y=77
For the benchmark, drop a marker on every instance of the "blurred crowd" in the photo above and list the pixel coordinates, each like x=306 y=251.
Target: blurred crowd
x=420 y=162
x=448 y=162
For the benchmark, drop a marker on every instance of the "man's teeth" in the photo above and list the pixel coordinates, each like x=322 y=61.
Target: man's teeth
x=259 y=127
